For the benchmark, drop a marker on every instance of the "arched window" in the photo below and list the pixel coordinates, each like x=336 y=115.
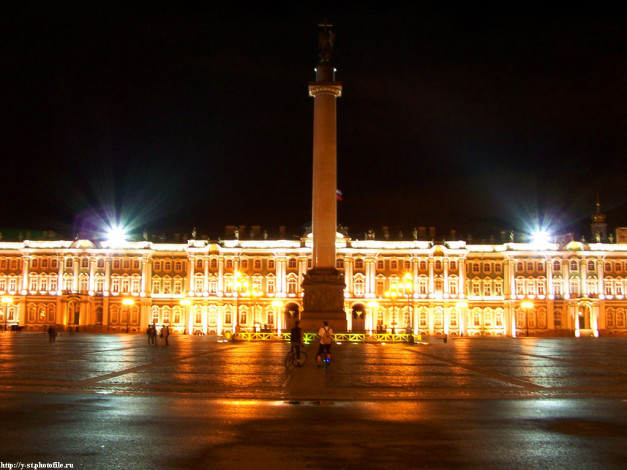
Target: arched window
x=292 y=285
x=358 y=286
x=359 y=263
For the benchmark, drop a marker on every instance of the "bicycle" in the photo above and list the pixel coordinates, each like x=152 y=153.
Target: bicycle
x=291 y=359
x=324 y=359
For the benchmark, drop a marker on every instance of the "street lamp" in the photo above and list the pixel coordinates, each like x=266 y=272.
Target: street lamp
x=527 y=305
x=6 y=300
x=128 y=303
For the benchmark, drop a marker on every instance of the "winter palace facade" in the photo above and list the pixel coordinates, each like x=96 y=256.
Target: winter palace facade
x=207 y=287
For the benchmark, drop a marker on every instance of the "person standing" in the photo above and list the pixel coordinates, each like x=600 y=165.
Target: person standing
x=326 y=338
x=165 y=332
x=296 y=340
x=153 y=334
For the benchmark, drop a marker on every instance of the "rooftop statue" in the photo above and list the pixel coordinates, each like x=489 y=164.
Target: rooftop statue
x=325 y=41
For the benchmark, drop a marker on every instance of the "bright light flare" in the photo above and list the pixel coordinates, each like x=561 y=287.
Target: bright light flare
x=116 y=235
x=540 y=237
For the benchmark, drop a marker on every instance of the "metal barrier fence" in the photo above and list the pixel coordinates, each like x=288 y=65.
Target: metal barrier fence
x=339 y=337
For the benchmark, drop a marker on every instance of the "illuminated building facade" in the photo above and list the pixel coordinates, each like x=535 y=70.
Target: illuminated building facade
x=453 y=288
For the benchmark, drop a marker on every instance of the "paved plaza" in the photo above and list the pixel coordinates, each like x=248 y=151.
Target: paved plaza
x=103 y=401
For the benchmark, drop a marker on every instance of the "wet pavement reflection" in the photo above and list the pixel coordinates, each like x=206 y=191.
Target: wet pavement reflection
x=113 y=401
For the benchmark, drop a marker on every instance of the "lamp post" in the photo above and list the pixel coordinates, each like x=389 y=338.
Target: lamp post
x=128 y=303
x=526 y=307
x=6 y=301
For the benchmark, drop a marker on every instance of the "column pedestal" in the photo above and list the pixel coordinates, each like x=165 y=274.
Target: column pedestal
x=323 y=300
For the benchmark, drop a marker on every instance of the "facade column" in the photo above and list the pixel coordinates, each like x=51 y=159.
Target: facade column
x=594 y=319
x=25 y=271
x=462 y=278
x=549 y=279
x=92 y=274
x=107 y=279
x=191 y=266
x=584 y=278
x=566 y=280
x=221 y=286
x=371 y=275
x=349 y=266
x=75 y=275
x=445 y=287
x=430 y=285
x=205 y=284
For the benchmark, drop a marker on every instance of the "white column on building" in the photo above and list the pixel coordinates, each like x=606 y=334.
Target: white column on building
x=349 y=263
x=191 y=266
x=107 y=279
x=92 y=274
x=25 y=270
x=431 y=289
x=445 y=287
x=462 y=278
x=281 y=275
x=205 y=284
x=60 y=274
x=145 y=275
x=601 y=271
x=549 y=279
x=221 y=276
x=219 y=320
x=75 y=285
x=594 y=319
x=584 y=278
x=566 y=280
x=371 y=271
x=204 y=312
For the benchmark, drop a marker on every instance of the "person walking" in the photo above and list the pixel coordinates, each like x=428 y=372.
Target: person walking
x=326 y=338
x=296 y=340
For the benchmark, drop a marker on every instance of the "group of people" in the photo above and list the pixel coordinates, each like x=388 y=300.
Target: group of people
x=152 y=334
x=325 y=335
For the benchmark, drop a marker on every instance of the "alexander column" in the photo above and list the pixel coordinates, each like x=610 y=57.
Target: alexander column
x=323 y=285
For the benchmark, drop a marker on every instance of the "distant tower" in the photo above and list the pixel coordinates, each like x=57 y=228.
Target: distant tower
x=323 y=285
x=598 y=227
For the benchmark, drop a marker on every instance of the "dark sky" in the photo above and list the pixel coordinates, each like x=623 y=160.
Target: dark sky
x=476 y=119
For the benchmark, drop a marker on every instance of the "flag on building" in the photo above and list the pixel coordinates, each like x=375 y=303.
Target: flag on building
x=339 y=195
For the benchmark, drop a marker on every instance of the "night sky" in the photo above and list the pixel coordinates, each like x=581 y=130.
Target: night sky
x=478 y=120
